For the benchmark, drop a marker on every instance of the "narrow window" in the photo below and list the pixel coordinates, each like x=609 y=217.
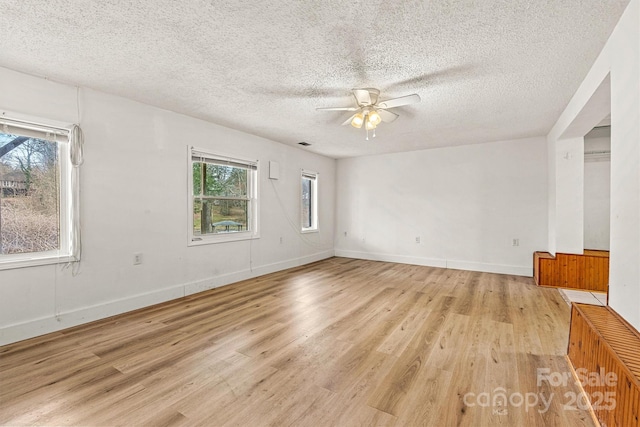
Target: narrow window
x=224 y=198
x=309 y=211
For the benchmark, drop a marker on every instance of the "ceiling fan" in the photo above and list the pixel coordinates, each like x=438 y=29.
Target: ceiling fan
x=370 y=111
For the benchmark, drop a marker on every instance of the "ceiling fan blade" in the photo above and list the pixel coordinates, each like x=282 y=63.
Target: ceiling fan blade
x=362 y=96
x=387 y=116
x=434 y=77
x=348 y=121
x=337 y=109
x=398 y=102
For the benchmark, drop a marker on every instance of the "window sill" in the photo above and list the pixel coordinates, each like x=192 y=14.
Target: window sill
x=222 y=238
x=24 y=262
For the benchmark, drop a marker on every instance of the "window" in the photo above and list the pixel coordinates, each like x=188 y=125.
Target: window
x=38 y=197
x=223 y=205
x=309 y=211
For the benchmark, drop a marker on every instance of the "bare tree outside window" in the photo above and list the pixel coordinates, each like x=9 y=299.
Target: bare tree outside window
x=221 y=200
x=29 y=195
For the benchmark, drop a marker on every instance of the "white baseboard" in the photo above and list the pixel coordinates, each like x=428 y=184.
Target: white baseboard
x=68 y=319
x=514 y=270
x=400 y=259
x=225 y=279
x=438 y=262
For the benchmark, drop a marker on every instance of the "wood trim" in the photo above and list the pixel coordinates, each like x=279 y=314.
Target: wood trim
x=601 y=343
x=588 y=271
x=596 y=253
x=537 y=256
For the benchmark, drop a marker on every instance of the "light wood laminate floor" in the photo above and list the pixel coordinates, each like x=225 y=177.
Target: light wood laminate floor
x=339 y=342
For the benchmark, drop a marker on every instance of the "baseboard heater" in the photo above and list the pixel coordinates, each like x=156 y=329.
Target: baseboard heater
x=604 y=351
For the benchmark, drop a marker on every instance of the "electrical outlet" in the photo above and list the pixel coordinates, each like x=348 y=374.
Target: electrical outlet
x=280 y=239
x=417 y=239
x=515 y=242
x=345 y=234
x=137 y=258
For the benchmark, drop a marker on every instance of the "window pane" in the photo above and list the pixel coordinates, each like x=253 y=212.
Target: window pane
x=198 y=216
x=197 y=178
x=225 y=181
x=219 y=216
x=29 y=195
x=306 y=203
x=229 y=215
x=224 y=198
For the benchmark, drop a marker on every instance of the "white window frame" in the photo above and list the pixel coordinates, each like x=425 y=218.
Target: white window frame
x=313 y=177
x=252 y=192
x=68 y=196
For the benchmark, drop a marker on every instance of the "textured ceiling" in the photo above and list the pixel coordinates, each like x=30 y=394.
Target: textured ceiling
x=486 y=70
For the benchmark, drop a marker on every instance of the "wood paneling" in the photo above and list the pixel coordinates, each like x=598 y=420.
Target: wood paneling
x=589 y=271
x=336 y=343
x=605 y=350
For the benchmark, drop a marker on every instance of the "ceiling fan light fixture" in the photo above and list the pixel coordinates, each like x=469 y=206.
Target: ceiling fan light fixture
x=357 y=120
x=370 y=125
x=369 y=112
x=374 y=118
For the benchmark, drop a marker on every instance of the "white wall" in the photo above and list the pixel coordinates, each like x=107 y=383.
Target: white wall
x=620 y=62
x=624 y=278
x=597 y=193
x=551 y=196
x=134 y=199
x=465 y=203
x=569 y=195
x=565 y=165
x=597 y=204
